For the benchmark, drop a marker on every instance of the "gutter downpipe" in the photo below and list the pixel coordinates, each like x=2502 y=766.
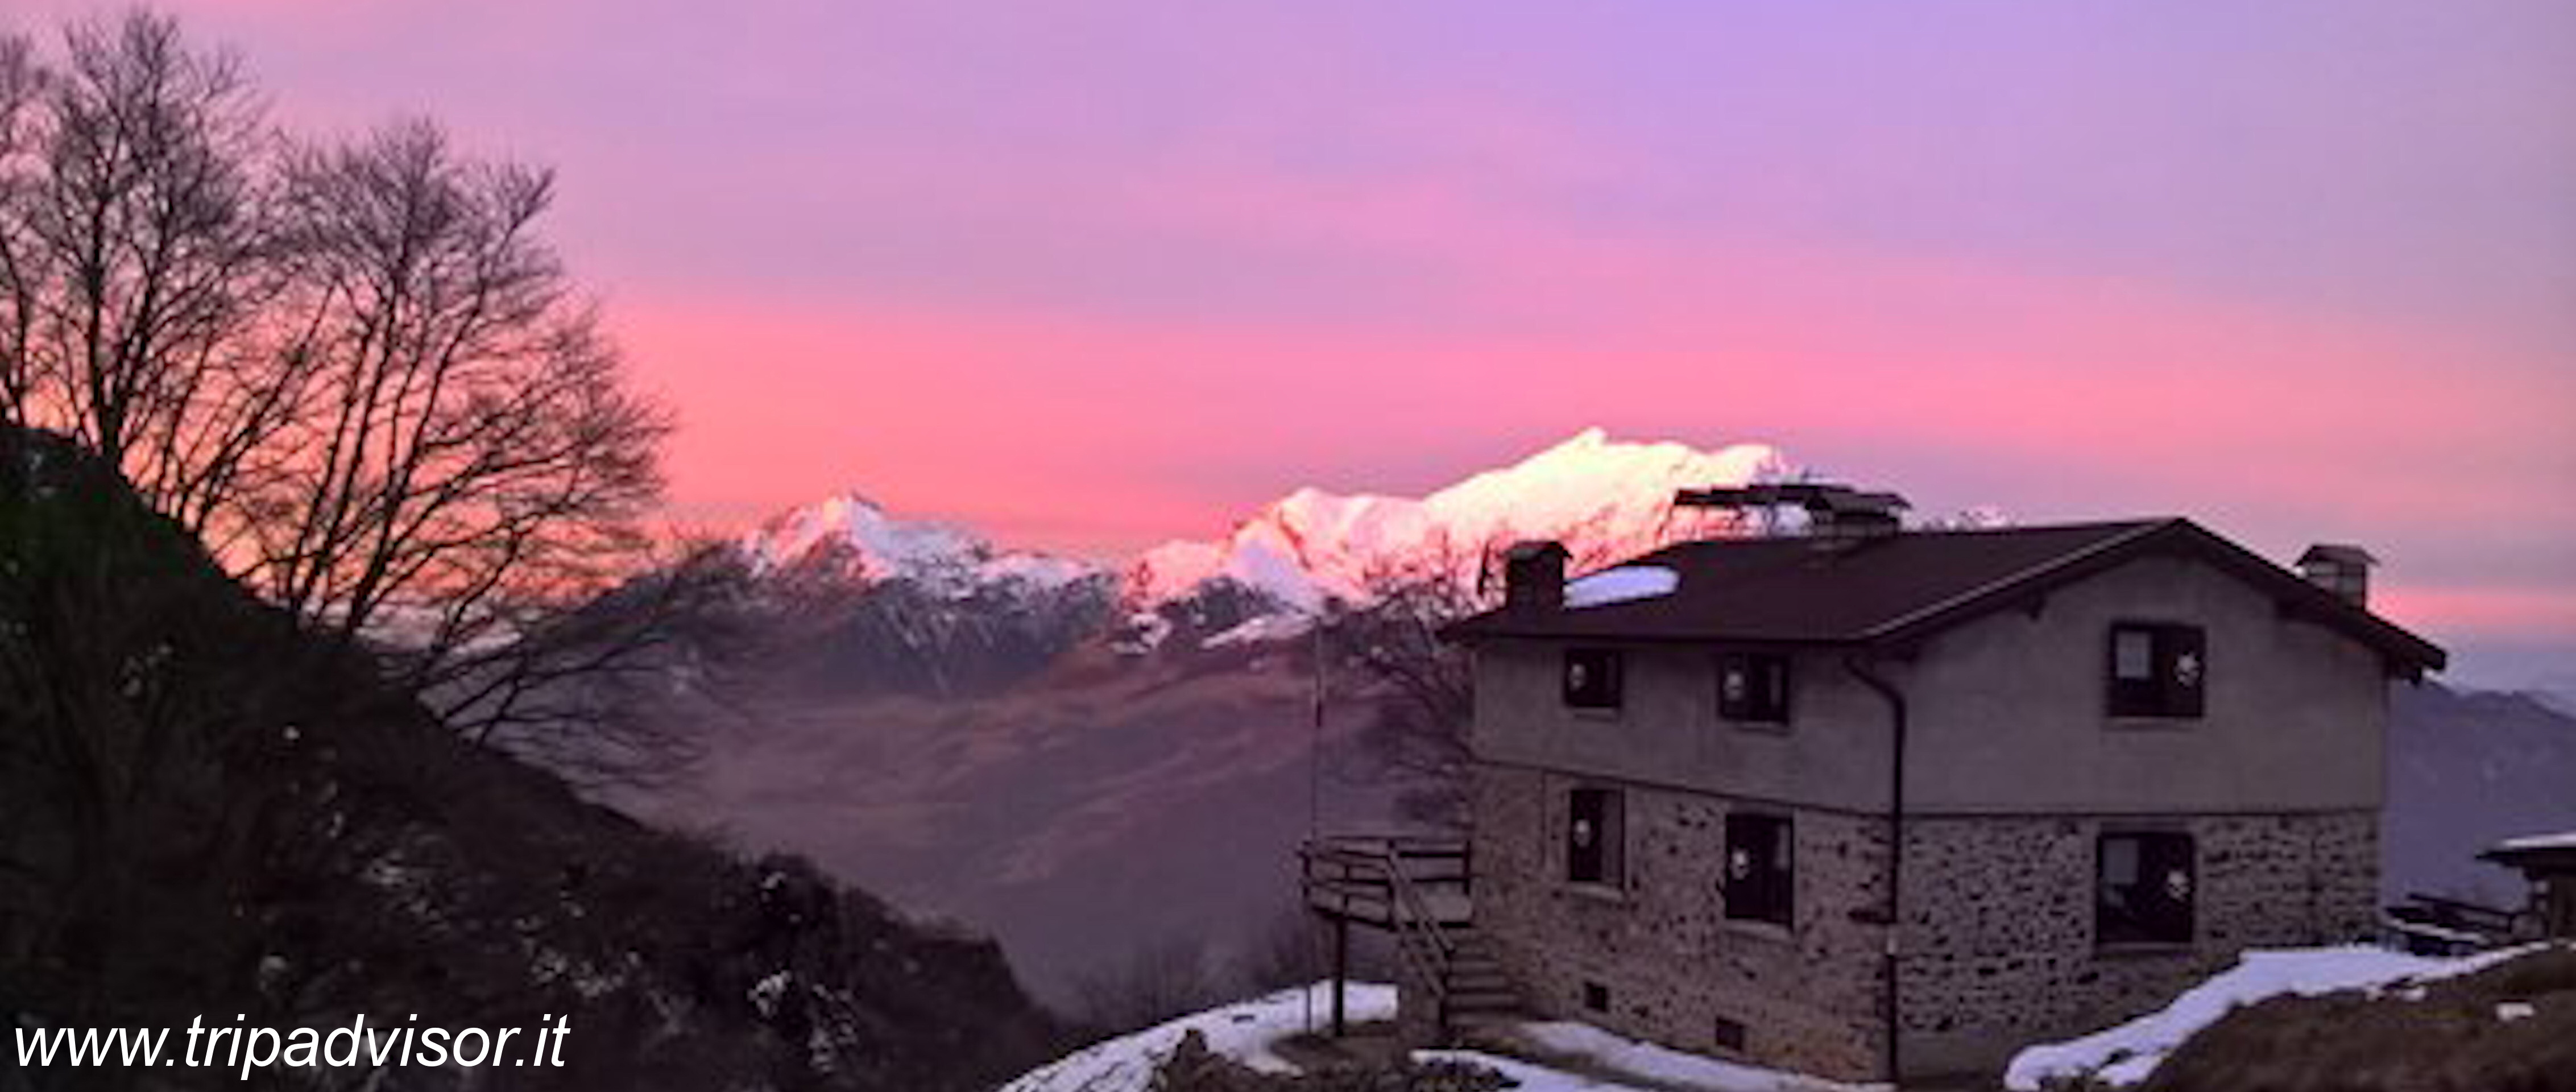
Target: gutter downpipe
x=1860 y=666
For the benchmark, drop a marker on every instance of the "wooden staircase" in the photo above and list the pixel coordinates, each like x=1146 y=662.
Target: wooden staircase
x=1474 y=986
x=1417 y=889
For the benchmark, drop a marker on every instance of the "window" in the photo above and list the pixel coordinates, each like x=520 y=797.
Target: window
x=1594 y=837
x=2144 y=888
x=1596 y=997
x=1753 y=687
x=1760 y=881
x=1592 y=678
x=1729 y=1034
x=2157 y=670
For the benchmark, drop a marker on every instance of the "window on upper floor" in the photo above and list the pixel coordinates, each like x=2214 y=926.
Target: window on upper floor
x=1761 y=878
x=1596 y=837
x=1592 y=678
x=2144 y=888
x=1753 y=687
x=2157 y=670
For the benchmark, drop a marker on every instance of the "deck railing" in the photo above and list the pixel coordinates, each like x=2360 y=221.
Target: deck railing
x=1415 y=887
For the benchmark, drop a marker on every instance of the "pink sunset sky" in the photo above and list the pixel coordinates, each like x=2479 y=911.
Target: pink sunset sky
x=1092 y=275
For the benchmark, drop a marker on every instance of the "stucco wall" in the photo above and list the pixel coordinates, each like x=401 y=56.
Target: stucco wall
x=2007 y=714
x=1807 y=997
x=2008 y=709
x=1834 y=753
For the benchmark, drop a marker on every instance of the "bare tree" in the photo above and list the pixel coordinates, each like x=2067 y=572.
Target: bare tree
x=21 y=79
x=1161 y=980
x=465 y=467
x=356 y=371
x=137 y=256
x=620 y=690
x=1391 y=633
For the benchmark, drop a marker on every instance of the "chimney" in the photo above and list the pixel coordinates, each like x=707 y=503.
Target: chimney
x=2339 y=568
x=1534 y=578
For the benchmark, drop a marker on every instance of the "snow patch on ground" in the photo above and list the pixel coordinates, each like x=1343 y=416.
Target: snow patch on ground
x=2126 y=1054
x=1666 y=1066
x=1249 y=1031
x=1620 y=585
x=1245 y=1032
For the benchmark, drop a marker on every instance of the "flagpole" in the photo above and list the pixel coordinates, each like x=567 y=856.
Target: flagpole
x=1315 y=786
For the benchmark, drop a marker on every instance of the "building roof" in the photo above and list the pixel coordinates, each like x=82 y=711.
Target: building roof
x=1894 y=590
x=2546 y=852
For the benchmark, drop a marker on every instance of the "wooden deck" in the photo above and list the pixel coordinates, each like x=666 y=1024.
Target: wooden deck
x=1359 y=879
x=1417 y=889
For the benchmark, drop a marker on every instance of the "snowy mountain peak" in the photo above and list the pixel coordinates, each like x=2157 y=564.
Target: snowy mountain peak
x=1604 y=497
x=851 y=536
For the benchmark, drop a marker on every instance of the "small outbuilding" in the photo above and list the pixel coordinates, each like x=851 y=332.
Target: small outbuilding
x=2548 y=861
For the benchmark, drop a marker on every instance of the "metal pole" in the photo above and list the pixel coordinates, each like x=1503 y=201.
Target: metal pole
x=1315 y=749
x=1341 y=973
x=1315 y=822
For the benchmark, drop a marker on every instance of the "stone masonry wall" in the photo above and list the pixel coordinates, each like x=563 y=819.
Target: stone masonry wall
x=1998 y=942
x=1998 y=946
x=1806 y=998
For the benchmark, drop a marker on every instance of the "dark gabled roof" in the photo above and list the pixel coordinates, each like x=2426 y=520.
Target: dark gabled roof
x=1894 y=590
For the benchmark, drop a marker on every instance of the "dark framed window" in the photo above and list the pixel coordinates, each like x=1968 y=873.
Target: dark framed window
x=1753 y=687
x=2144 y=886
x=1592 y=678
x=1728 y=1034
x=1596 y=997
x=2157 y=670
x=1761 y=878
x=1595 y=837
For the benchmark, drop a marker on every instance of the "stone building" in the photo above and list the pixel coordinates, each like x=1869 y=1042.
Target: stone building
x=2113 y=755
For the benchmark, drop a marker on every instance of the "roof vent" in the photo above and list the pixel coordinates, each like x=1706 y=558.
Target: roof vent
x=1834 y=511
x=2339 y=568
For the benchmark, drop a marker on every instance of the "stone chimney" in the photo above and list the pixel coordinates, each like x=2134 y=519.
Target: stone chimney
x=1534 y=578
x=2339 y=568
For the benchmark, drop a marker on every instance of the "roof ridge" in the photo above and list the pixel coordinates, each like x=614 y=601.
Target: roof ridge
x=2137 y=529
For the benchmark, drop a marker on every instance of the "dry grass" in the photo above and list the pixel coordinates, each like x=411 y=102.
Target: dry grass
x=2450 y=1037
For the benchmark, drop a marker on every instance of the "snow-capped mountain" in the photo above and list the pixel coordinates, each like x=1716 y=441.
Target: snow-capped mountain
x=1603 y=497
x=933 y=603
x=852 y=537
x=885 y=603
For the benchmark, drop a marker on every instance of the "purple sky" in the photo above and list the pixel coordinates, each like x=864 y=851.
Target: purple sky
x=1093 y=275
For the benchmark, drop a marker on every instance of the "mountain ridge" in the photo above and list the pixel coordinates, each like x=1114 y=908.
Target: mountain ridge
x=1297 y=551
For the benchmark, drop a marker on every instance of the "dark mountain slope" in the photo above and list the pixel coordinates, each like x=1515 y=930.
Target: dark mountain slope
x=2465 y=769
x=1109 y=806
x=209 y=812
